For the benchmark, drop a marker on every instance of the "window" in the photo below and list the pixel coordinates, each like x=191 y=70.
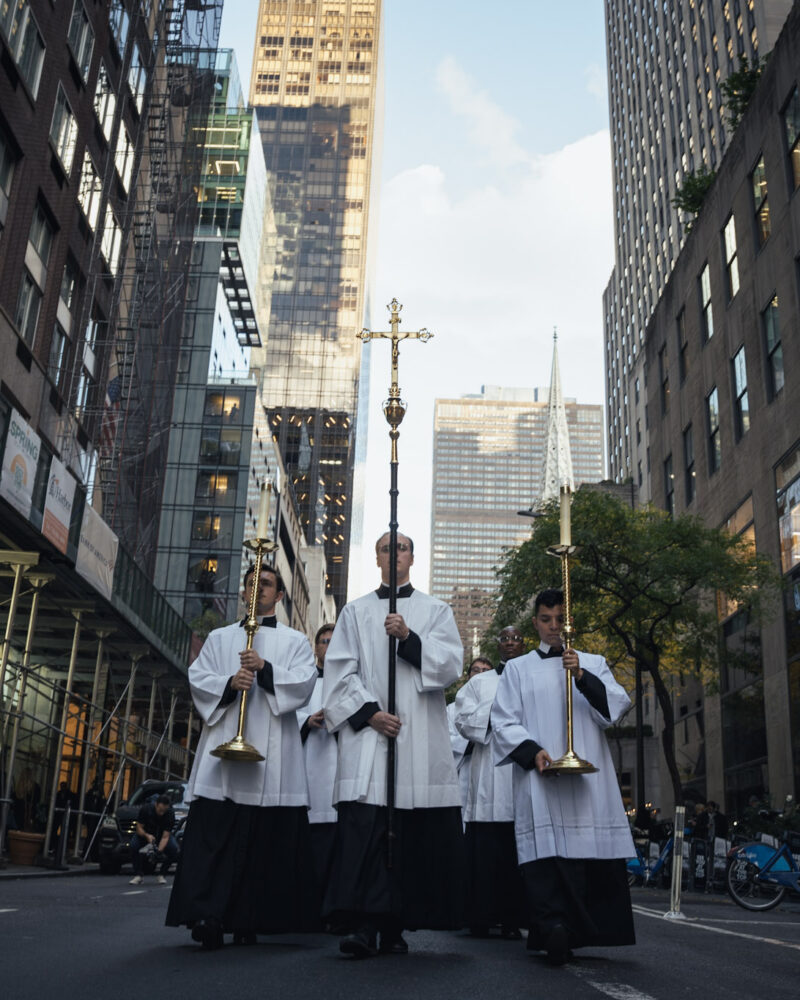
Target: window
x=683 y=346
x=707 y=314
x=760 y=203
x=136 y=78
x=19 y=26
x=7 y=161
x=663 y=374
x=29 y=302
x=791 y=120
x=119 y=22
x=58 y=356
x=85 y=383
x=741 y=406
x=123 y=158
x=731 y=262
x=81 y=38
x=669 y=486
x=105 y=101
x=110 y=243
x=712 y=423
x=89 y=191
x=64 y=131
x=41 y=235
x=688 y=465
x=773 y=348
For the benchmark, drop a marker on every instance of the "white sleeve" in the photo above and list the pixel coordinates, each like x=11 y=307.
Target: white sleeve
x=506 y=716
x=293 y=679
x=473 y=705
x=209 y=676
x=343 y=689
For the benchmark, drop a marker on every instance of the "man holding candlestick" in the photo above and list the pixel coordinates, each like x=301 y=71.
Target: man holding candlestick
x=244 y=867
x=572 y=831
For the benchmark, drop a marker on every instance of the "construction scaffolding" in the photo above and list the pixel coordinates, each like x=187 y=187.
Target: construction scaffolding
x=89 y=714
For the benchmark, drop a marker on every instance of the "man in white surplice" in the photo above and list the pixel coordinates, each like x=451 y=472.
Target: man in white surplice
x=244 y=866
x=424 y=886
x=494 y=887
x=320 y=757
x=572 y=831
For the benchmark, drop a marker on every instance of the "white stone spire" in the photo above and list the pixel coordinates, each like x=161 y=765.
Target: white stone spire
x=558 y=458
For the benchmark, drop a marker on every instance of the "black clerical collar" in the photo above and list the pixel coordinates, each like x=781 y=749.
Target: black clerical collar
x=383 y=591
x=546 y=651
x=268 y=621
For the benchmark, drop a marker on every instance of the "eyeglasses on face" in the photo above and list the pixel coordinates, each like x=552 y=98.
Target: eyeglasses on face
x=509 y=638
x=401 y=547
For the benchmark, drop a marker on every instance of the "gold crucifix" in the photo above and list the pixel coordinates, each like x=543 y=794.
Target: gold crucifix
x=394 y=408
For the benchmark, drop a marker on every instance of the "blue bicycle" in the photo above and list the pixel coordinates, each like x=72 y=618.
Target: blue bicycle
x=642 y=870
x=759 y=875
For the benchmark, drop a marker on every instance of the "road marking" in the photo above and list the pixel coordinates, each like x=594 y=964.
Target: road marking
x=133 y=892
x=617 y=991
x=10 y=910
x=719 y=930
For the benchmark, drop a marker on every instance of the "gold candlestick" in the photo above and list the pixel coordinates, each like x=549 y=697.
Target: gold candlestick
x=238 y=748
x=569 y=762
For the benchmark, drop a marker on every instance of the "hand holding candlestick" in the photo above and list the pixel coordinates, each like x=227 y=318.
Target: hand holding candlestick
x=238 y=748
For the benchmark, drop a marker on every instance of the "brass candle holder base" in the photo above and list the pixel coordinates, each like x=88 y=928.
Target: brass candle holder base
x=237 y=749
x=570 y=763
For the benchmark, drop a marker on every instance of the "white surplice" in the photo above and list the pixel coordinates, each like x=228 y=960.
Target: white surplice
x=490 y=794
x=319 y=757
x=569 y=816
x=356 y=673
x=270 y=723
x=458 y=745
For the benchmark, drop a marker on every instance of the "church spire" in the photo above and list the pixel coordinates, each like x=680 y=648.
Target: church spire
x=558 y=458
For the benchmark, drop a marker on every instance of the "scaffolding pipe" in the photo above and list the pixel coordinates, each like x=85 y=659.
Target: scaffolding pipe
x=126 y=722
x=73 y=659
x=170 y=728
x=38 y=583
x=102 y=635
x=20 y=561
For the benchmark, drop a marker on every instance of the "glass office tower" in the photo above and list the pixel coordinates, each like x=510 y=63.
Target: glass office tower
x=317 y=91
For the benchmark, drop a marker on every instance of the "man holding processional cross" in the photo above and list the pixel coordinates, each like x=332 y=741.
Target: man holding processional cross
x=398 y=859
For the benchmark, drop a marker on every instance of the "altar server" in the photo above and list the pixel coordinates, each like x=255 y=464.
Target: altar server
x=244 y=866
x=572 y=831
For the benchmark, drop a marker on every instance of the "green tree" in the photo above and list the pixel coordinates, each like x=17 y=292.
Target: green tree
x=739 y=88
x=206 y=622
x=644 y=590
x=690 y=197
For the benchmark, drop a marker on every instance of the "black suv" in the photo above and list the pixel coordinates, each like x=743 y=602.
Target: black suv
x=116 y=832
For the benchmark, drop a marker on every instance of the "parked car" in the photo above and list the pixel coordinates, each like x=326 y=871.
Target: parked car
x=115 y=835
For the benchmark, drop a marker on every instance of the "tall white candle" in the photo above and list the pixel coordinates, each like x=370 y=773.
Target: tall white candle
x=566 y=531
x=263 y=512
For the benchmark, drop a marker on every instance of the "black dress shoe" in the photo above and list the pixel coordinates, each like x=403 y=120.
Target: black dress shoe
x=244 y=937
x=394 y=945
x=209 y=934
x=558 y=945
x=360 y=944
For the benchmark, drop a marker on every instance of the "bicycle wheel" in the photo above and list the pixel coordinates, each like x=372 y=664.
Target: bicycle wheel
x=745 y=888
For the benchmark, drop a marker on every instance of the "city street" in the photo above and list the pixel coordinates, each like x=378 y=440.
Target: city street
x=96 y=937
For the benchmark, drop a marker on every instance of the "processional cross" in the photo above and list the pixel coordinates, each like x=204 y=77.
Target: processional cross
x=394 y=409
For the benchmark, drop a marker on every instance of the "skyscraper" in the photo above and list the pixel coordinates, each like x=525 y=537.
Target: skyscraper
x=316 y=86
x=489 y=457
x=666 y=64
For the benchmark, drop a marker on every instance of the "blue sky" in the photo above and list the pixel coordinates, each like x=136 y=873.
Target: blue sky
x=496 y=220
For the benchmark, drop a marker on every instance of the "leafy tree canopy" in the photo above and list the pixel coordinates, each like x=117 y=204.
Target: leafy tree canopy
x=739 y=88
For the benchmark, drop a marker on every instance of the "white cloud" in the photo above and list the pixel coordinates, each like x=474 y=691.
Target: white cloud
x=491 y=128
x=490 y=271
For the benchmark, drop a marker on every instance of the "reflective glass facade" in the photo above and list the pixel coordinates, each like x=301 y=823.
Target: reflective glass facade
x=488 y=463
x=315 y=84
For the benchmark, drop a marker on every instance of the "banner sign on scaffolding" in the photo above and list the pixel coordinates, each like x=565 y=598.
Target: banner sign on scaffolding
x=97 y=552
x=19 y=464
x=58 y=505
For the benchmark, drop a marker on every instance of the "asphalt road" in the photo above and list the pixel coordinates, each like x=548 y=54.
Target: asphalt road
x=96 y=938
